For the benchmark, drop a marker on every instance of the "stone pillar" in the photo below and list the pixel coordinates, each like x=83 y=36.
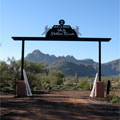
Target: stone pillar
x=99 y=89
x=21 y=88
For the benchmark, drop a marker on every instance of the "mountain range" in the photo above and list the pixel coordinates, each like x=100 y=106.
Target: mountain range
x=69 y=65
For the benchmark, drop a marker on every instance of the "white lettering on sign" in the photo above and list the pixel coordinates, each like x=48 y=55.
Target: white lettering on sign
x=58 y=26
x=58 y=33
x=61 y=31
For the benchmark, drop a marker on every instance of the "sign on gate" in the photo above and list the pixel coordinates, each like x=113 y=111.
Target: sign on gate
x=61 y=31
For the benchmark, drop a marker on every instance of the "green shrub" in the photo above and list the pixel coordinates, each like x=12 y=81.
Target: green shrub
x=5 y=89
x=56 y=78
x=84 y=84
x=113 y=99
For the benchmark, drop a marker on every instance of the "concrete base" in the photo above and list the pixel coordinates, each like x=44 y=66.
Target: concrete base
x=21 y=88
x=99 y=89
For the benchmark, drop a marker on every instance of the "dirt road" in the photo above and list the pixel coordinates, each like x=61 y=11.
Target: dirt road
x=57 y=105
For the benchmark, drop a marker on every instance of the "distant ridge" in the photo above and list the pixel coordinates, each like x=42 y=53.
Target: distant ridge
x=109 y=68
x=38 y=56
x=70 y=68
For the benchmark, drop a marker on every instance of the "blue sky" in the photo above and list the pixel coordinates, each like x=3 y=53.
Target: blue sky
x=95 y=18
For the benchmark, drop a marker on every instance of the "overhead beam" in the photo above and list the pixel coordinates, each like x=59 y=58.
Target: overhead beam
x=60 y=39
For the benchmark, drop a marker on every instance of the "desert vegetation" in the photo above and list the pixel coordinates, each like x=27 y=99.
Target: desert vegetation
x=41 y=79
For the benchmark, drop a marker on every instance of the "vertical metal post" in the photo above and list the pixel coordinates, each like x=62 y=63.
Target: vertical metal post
x=108 y=87
x=22 y=60
x=99 y=60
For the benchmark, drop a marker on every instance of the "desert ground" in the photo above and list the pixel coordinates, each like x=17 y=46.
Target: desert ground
x=58 y=105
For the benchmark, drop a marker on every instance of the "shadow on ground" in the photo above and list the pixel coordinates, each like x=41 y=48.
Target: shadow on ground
x=41 y=108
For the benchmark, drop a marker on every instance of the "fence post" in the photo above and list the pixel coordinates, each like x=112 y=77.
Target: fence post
x=108 y=87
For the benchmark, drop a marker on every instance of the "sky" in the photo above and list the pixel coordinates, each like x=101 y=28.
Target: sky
x=95 y=18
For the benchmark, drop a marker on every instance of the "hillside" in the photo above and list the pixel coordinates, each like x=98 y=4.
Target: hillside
x=70 y=68
x=109 y=68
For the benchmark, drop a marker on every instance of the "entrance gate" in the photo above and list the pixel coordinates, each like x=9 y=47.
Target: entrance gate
x=60 y=32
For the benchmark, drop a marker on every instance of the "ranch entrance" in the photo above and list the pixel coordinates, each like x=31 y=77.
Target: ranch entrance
x=60 y=104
